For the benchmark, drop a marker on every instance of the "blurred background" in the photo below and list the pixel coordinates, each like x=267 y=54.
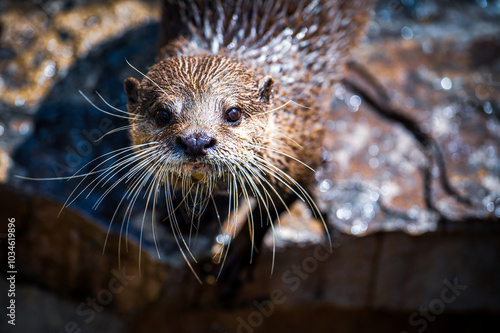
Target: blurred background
x=410 y=184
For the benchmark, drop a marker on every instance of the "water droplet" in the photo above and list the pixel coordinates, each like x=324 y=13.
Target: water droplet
x=287 y=32
x=491 y=151
x=368 y=211
x=330 y=125
x=452 y=147
x=19 y=101
x=427 y=47
x=92 y=21
x=406 y=33
x=326 y=155
x=490 y=207
x=2 y=130
x=409 y=102
x=24 y=128
x=446 y=83
x=373 y=150
x=344 y=213
x=488 y=109
x=355 y=101
x=339 y=91
x=223 y=239
x=374 y=163
x=52 y=45
x=50 y=69
x=412 y=228
x=302 y=33
x=482 y=3
x=435 y=171
x=449 y=111
x=374 y=196
x=325 y=185
x=358 y=227
x=67 y=52
x=413 y=212
x=385 y=189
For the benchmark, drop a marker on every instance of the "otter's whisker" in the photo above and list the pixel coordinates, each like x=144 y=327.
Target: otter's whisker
x=113 y=107
x=75 y=175
x=126 y=195
x=283 y=105
x=259 y=186
x=261 y=199
x=261 y=176
x=289 y=156
x=155 y=183
x=219 y=252
x=126 y=127
x=233 y=197
x=102 y=110
x=120 y=151
x=177 y=233
x=193 y=213
x=275 y=172
x=175 y=227
x=138 y=185
x=111 y=223
x=121 y=164
x=305 y=196
x=145 y=76
x=146 y=154
x=269 y=198
x=162 y=176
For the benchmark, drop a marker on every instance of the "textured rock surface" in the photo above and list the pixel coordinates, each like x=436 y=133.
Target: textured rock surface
x=381 y=174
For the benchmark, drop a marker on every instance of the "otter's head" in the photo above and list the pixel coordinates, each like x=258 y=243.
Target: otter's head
x=198 y=119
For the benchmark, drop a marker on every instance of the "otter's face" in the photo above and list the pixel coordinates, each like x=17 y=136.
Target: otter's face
x=198 y=119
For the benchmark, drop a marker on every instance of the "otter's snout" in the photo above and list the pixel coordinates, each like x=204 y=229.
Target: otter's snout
x=196 y=144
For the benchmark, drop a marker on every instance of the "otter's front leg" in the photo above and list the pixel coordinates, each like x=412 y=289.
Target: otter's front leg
x=245 y=248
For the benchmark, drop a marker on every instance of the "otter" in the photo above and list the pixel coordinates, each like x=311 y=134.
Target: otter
x=235 y=101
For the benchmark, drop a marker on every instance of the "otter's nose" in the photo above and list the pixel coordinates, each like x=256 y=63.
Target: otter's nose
x=196 y=144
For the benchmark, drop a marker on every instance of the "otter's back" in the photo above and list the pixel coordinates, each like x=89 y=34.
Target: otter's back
x=302 y=44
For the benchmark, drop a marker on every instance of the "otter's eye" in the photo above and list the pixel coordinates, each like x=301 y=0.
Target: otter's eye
x=162 y=117
x=233 y=115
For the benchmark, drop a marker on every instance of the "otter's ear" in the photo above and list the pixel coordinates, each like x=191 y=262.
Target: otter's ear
x=266 y=88
x=132 y=90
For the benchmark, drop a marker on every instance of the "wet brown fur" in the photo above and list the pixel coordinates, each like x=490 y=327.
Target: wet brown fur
x=187 y=67
x=257 y=56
